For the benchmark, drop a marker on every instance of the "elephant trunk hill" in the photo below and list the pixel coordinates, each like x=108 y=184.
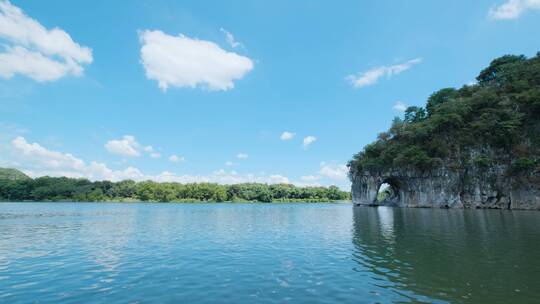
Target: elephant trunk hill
x=473 y=147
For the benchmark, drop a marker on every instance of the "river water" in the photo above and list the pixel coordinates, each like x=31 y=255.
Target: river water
x=265 y=253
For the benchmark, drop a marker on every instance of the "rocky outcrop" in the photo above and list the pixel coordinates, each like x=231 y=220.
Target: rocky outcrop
x=449 y=188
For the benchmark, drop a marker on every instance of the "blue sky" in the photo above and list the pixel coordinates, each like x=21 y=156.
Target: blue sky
x=113 y=89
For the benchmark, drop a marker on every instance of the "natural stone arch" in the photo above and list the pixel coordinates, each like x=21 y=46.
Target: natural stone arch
x=413 y=188
x=365 y=188
x=392 y=195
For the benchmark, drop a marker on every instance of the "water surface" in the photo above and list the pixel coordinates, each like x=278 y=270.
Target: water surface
x=265 y=253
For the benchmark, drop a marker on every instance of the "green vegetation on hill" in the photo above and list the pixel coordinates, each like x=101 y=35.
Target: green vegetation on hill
x=74 y=189
x=496 y=121
x=12 y=174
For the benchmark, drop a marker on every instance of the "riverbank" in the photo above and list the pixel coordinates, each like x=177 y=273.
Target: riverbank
x=129 y=201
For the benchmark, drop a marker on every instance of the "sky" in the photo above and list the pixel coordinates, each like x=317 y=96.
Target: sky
x=231 y=91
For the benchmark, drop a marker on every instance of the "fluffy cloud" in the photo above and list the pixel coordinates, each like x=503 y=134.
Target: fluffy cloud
x=399 y=107
x=151 y=152
x=36 y=52
x=229 y=163
x=180 y=61
x=372 y=76
x=36 y=160
x=222 y=177
x=242 y=156
x=329 y=173
x=334 y=170
x=18 y=60
x=127 y=146
x=308 y=141
x=512 y=9
x=176 y=159
x=287 y=135
x=230 y=38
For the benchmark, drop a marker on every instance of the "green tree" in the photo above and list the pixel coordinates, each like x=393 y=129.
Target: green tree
x=440 y=97
x=414 y=114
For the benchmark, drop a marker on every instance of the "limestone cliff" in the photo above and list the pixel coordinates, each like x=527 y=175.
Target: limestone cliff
x=449 y=188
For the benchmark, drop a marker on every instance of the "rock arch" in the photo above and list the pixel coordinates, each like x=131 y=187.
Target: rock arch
x=393 y=192
x=366 y=188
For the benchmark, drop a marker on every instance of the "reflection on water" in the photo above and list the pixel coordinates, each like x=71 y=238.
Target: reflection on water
x=472 y=256
x=265 y=253
x=386 y=220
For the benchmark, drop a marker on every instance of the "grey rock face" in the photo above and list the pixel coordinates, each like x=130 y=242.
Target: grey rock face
x=449 y=188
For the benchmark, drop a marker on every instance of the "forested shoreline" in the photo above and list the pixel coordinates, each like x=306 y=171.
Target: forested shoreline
x=16 y=186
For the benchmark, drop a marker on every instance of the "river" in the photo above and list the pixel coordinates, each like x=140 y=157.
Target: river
x=265 y=253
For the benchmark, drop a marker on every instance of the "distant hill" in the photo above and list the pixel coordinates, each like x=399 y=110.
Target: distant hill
x=12 y=174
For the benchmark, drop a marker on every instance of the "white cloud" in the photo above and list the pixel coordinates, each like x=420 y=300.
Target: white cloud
x=334 y=170
x=242 y=156
x=18 y=60
x=51 y=159
x=222 y=177
x=512 y=9
x=309 y=140
x=232 y=177
x=229 y=163
x=230 y=38
x=36 y=52
x=329 y=173
x=127 y=146
x=371 y=77
x=399 y=106
x=176 y=159
x=287 y=135
x=36 y=160
x=180 y=61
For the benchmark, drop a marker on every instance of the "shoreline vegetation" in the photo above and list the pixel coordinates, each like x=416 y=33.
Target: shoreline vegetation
x=16 y=186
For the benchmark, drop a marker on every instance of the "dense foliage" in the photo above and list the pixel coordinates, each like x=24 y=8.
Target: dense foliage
x=495 y=121
x=74 y=189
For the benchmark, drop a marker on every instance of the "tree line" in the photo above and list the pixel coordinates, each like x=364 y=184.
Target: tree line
x=82 y=190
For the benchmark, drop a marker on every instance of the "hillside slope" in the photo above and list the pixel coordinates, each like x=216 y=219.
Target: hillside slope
x=12 y=174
